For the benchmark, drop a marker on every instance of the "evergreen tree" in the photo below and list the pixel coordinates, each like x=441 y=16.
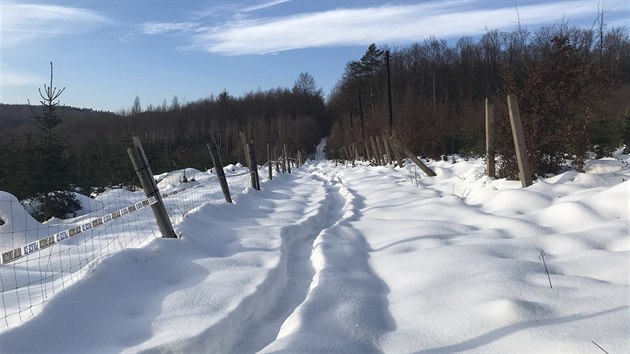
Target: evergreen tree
x=365 y=70
x=48 y=184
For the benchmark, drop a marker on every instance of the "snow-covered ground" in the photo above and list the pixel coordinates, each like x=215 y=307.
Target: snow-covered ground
x=366 y=259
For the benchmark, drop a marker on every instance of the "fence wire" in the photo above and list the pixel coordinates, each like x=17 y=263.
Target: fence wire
x=38 y=260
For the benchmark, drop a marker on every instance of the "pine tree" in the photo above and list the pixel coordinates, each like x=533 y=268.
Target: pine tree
x=365 y=70
x=48 y=185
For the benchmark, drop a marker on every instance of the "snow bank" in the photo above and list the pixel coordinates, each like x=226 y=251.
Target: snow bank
x=367 y=259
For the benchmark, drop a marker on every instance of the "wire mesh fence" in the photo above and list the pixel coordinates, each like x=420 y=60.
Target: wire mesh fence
x=40 y=259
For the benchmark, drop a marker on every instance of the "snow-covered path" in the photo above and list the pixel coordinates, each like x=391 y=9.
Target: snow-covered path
x=343 y=259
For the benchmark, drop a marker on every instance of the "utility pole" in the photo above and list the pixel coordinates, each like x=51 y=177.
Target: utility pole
x=389 y=92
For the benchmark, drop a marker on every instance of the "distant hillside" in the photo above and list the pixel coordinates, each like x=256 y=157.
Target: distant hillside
x=15 y=115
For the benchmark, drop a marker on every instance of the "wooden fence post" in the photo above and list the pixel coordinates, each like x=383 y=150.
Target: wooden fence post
x=277 y=158
x=287 y=163
x=283 y=161
x=397 y=151
x=346 y=152
x=253 y=167
x=388 y=151
x=269 y=163
x=367 y=151
x=245 y=149
x=376 y=158
x=145 y=175
x=524 y=173
x=490 y=171
x=218 y=167
x=412 y=157
x=381 y=150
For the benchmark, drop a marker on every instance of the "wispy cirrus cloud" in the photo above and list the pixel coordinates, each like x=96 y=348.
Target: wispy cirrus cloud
x=235 y=9
x=152 y=28
x=263 y=5
x=25 y=22
x=232 y=11
x=243 y=34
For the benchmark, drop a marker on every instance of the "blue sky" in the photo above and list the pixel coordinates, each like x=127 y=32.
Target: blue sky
x=105 y=52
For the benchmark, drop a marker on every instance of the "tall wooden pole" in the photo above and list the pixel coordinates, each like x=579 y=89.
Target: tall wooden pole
x=389 y=92
x=361 y=115
x=524 y=173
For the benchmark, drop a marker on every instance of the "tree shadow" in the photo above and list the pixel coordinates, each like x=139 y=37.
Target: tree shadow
x=496 y=334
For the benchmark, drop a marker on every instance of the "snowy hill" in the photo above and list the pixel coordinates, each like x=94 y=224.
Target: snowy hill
x=366 y=259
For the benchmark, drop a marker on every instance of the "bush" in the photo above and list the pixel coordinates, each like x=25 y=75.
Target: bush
x=559 y=98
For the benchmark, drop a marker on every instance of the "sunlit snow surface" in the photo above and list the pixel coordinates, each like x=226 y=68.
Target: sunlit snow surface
x=335 y=258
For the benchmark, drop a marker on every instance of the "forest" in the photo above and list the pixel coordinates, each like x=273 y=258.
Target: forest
x=573 y=85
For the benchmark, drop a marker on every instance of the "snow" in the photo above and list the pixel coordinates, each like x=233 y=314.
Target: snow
x=362 y=259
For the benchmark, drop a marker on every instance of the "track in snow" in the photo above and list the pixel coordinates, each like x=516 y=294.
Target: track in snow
x=299 y=271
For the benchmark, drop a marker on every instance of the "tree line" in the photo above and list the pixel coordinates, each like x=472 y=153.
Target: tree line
x=86 y=153
x=573 y=84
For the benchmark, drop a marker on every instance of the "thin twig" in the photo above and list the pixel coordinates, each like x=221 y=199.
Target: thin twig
x=599 y=347
x=542 y=256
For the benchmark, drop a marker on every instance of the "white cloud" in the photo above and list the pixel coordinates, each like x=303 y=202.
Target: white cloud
x=263 y=5
x=235 y=9
x=23 y=22
x=153 y=28
x=391 y=24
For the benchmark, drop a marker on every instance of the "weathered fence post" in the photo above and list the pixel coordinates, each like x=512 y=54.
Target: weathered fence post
x=218 y=167
x=269 y=162
x=381 y=150
x=367 y=151
x=145 y=175
x=490 y=170
x=287 y=163
x=524 y=173
x=283 y=161
x=411 y=156
x=397 y=151
x=248 y=148
x=245 y=149
x=388 y=151
x=375 y=150
x=346 y=152
x=277 y=160
x=253 y=167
